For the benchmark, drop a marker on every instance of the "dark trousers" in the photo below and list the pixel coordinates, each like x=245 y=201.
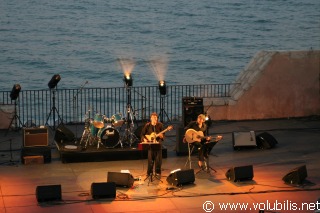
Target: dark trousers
x=154 y=159
x=204 y=149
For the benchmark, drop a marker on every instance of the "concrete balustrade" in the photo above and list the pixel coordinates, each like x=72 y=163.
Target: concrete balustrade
x=274 y=84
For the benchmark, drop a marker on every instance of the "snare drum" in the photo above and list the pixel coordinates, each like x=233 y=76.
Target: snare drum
x=117 y=120
x=98 y=121
x=109 y=137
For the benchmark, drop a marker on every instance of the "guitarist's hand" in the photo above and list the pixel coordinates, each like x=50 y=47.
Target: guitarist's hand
x=208 y=138
x=161 y=135
x=219 y=137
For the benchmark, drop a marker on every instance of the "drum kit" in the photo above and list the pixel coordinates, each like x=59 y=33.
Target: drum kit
x=101 y=130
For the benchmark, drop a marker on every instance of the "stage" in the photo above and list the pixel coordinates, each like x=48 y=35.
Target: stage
x=70 y=153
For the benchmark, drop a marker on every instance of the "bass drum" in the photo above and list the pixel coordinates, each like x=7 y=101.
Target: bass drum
x=109 y=137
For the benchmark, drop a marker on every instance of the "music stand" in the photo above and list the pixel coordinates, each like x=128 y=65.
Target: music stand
x=151 y=177
x=207 y=167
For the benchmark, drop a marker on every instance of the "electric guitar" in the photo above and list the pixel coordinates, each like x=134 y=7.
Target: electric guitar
x=152 y=137
x=196 y=136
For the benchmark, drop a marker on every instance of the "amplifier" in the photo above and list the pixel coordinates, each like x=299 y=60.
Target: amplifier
x=192 y=101
x=35 y=137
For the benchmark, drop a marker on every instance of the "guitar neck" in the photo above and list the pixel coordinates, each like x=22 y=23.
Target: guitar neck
x=163 y=131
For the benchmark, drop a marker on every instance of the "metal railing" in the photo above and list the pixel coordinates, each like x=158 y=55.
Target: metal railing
x=45 y=107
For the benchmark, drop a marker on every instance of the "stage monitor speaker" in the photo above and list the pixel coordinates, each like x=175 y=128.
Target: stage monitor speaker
x=35 y=137
x=192 y=107
x=266 y=141
x=48 y=193
x=63 y=134
x=241 y=173
x=181 y=147
x=103 y=190
x=181 y=177
x=296 y=176
x=121 y=179
x=244 y=139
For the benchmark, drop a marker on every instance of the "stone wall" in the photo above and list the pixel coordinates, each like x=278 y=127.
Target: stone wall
x=273 y=85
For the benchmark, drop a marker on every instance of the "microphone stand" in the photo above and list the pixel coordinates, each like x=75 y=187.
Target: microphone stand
x=208 y=122
x=75 y=108
x=143 y=114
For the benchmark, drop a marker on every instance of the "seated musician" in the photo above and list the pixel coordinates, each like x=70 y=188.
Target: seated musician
x=202 y=141
x=149 y=134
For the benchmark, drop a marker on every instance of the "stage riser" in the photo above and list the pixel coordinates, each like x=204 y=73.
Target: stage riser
x=105 y=155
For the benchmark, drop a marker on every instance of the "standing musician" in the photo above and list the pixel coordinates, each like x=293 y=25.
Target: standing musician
x=150 y=134
x=199 y=138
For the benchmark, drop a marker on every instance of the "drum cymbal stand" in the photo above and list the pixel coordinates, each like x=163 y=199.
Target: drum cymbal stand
x=129 y=135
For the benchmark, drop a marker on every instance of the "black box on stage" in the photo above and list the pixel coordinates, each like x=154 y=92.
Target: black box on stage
x=266 y=141
x=63 y=134
x=35 y=137
x=296 y=175
x=181 y=147
x=44 y=151
x=48 y=193
x=191 y=108
x=244 y=139
x=121 y=179
x=181 y=177
x=103 y=190
x=240 y=173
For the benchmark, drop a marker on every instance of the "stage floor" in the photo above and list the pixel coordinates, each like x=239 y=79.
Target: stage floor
x=70 y=152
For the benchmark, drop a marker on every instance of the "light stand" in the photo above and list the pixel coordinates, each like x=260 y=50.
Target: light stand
x=15 y=118
x=53 y=110
x=52 y=84
x=129 y=135
x=14 y=95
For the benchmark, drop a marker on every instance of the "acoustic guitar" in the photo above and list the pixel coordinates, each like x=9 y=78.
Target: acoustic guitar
x=196 y=136
x=152 y=137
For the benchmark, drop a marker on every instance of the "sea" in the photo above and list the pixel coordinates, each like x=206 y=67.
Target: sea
x=92 y=43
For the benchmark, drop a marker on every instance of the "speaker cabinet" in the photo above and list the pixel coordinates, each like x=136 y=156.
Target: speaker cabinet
x=121 y=179
x=296 y=176
x=192 y=107
x=181 y=177
x=103 y=190
x=63 y=134
x=241 y=173
x=35 y=137
x=44 y=151
x=181 y=148
x=48 y=193
x=266 y=141
x=244 y=139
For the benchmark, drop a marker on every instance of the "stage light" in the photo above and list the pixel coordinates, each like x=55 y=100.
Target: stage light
x=54 y=81
x=15 y=91
x=162 y=87
x=208 y=120
x=127 y=78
